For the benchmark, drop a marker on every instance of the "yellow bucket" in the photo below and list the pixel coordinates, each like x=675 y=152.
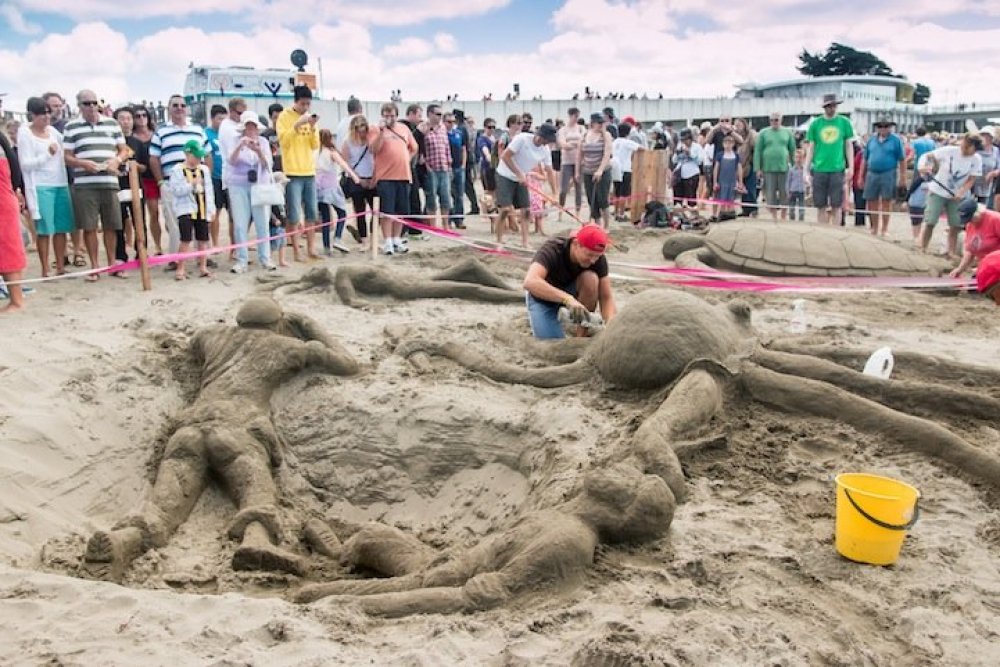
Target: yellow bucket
x=873 y=515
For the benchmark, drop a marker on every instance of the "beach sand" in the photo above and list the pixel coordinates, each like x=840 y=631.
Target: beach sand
x=91 y=374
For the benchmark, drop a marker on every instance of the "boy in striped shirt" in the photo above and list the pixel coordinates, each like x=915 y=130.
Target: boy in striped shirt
x=95 y=149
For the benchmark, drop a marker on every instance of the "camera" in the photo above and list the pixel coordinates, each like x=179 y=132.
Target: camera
x=251 y=176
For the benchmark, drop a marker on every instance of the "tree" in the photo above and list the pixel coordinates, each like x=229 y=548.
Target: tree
x=921 y=94
x=841 y=59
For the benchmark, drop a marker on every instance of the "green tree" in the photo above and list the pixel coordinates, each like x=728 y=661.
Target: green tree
x=841 y=59
x=921 y=94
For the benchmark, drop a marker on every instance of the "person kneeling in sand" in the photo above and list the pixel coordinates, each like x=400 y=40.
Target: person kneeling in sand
x=988 y=276
x=227 y=430
x=569 y=273
x=544 y=548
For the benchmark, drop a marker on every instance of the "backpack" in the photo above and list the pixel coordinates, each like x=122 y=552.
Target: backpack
x=655 y=215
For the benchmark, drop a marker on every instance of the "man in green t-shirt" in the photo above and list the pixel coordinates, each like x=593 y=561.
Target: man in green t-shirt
x=830 y=159
x=774 y=151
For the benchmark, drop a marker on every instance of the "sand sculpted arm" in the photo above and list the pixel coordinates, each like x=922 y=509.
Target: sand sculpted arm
x=332 y=361
x=306 y=329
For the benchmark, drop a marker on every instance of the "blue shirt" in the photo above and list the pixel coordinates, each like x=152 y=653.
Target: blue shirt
x=921 y=146
x=456 y=138
x=883 y=156
x=213 y=140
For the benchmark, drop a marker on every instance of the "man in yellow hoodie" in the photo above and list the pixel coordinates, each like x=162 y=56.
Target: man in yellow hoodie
x=299 y=140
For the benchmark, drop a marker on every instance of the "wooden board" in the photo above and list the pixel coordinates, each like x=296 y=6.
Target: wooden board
x=650 y=171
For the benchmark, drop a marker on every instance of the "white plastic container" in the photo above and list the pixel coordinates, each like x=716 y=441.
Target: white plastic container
x=880 y=363
x=798 y=323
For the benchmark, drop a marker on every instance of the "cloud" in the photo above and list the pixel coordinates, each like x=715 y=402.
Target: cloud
x=623 y=46
x=268 y=12
x=15 y=19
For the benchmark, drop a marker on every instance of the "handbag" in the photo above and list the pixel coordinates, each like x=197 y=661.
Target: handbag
x=266 y=194
x=350 y=188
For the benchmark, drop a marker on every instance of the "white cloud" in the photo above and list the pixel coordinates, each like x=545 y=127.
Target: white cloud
x=416 y=47
x=14 y=17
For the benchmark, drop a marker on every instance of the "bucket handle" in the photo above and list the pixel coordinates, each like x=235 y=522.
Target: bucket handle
x=883 y=524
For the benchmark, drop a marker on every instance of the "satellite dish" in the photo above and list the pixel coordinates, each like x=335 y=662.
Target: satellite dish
x=299 y=59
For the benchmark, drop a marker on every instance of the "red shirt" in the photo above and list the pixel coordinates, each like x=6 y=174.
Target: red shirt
x=983 y=238
x=437 y=150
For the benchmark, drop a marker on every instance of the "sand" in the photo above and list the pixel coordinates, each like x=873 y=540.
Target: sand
x=89 y=379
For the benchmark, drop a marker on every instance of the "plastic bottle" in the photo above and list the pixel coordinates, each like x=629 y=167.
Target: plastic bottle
x=880 y=363
x=798 y=324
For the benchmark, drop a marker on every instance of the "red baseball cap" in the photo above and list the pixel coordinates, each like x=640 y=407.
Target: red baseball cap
x=593 y=238
x=630 y=120
x=988 y=273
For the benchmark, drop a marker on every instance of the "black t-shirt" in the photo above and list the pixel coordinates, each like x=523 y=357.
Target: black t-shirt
x=418 y=136
x=562 y=272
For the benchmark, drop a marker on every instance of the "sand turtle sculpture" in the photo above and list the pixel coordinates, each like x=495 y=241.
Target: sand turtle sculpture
x=766 y=248
x=706 y=356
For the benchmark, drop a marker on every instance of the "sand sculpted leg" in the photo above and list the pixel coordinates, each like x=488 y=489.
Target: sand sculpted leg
x=807 y=396
x=558 y=351
x=471 y=271
x=480 y=593
x=900 y=394
x=244 y=465
x=545 y=377
x=693 y=401
x=942 y=370
x=181 y=478
x=469 y=282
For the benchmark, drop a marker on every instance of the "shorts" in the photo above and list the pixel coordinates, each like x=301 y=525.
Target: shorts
x=881 y=185
x=775 y=188
x=437 y=191
x=394 y=197
x=187 y=225
x=828 y=189
x=916 y=215
x=709 y=175
x=150 y=190
x=623 y=188
x=543 y=316
x=89 y=204
x=301 y=191
x=936 y=204
x=55 y=209
x=489 y=175
x=512 y=193
x=221 y=195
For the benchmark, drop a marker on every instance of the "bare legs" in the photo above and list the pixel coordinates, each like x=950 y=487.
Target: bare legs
x=15 y=291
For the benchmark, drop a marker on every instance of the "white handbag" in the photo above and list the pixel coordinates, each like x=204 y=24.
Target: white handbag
x=266 y=194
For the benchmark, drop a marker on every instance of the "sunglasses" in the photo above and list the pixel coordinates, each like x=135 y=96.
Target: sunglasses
x=141 y=114
x=436 y=113
x=491 y=127
x=89 y=103
x=178 y=106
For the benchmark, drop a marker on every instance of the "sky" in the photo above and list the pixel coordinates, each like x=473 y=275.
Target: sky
x=129 y=51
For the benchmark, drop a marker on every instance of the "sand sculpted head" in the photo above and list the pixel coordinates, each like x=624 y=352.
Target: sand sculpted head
x=627 y=505
x=260 y=312
x=659 y=332
x=680 y=242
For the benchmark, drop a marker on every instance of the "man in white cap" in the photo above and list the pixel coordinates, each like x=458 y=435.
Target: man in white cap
x=829 y=160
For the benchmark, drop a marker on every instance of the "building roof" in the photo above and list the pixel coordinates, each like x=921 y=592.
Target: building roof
x=846 y=78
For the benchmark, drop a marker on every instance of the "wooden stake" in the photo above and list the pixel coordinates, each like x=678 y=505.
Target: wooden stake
x=139 y=224
x=376 y=227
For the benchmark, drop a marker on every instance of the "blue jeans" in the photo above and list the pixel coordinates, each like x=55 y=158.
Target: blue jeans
x=543 y=316
x=750 y=196
x=301 y=192
x=327 y=218
x=437 y=191
x=242 y=212
x=458 y=195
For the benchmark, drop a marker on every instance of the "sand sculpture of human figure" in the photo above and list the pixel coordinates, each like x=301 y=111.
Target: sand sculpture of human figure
x=227 y=430
x=470 y=280
x=544 y=548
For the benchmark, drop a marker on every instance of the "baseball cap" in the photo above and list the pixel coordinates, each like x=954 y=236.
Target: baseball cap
x=593 y=238
x=967 y=209
x=194 y=148
x=988 y=273
x=630 y=120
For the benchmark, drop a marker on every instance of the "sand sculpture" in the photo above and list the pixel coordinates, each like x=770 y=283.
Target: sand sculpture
x=668 y=338
x=469 y=280
x=543 y=548
x=794 y=249
x=227 y=430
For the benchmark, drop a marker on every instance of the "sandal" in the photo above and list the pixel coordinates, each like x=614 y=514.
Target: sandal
x=207 y=274
x=180 y=276
x=79 y=260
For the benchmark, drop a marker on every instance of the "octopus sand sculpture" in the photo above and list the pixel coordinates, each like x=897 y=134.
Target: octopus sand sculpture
x=794 y=249
x=227 y=430
x=469 y=280
x=706 y=354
